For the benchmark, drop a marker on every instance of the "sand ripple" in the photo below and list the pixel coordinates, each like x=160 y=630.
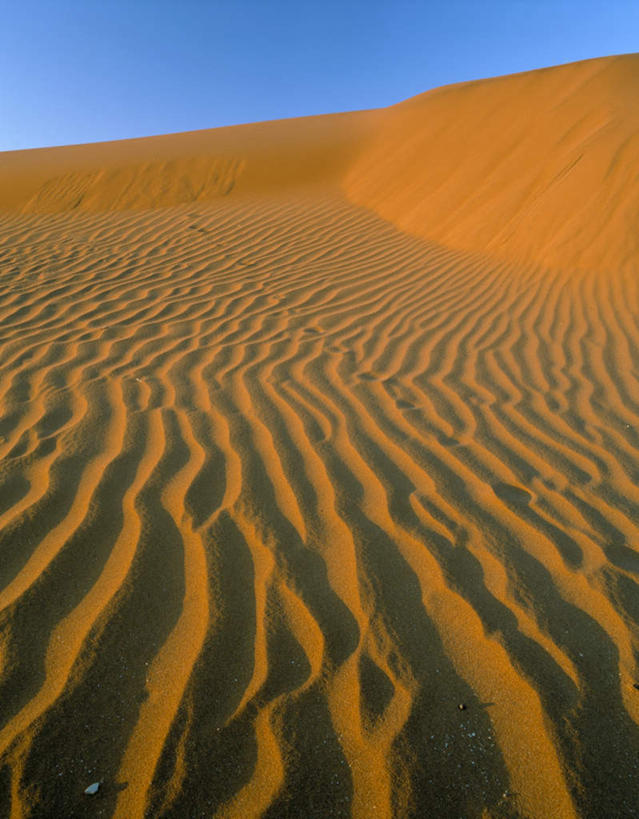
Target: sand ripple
x=281 y=488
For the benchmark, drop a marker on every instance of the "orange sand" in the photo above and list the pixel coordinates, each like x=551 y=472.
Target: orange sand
x=312 y=431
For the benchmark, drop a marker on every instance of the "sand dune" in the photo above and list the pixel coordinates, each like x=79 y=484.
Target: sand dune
x=312 y=432
x=540 y=167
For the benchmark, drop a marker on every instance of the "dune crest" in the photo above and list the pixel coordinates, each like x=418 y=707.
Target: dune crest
x=175 y=169
x=319 y=463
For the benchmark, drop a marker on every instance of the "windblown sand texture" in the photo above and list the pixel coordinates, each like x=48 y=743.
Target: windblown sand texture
x=311 y=432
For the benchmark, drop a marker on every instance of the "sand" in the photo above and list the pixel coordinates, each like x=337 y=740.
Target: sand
x=319 y=463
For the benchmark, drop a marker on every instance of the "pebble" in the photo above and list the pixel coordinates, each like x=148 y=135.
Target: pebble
x=92 y=789
x=461 y=706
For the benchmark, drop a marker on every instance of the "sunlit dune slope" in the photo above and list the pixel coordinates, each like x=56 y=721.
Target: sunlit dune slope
x=541 y=166
x=319 y=464
x=192 y=167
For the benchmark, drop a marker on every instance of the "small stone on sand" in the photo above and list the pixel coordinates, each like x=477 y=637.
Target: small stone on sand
x=92 y=789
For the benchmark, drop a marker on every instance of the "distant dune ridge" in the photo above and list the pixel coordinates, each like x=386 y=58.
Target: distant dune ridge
x=540 y=167
x=319 y=462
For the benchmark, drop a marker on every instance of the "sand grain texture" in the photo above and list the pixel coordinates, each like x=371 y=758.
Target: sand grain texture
x=312 y=431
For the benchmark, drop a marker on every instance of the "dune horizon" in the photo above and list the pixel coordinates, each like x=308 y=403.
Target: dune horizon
x=319 y=462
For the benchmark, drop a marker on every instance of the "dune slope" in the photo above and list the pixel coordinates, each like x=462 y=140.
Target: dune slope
x=539 y=167
x=319 y=495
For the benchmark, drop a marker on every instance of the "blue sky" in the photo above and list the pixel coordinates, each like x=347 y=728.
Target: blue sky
x=83 y=70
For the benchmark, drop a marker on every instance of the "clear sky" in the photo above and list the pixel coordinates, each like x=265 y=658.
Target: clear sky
x=87 y=70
